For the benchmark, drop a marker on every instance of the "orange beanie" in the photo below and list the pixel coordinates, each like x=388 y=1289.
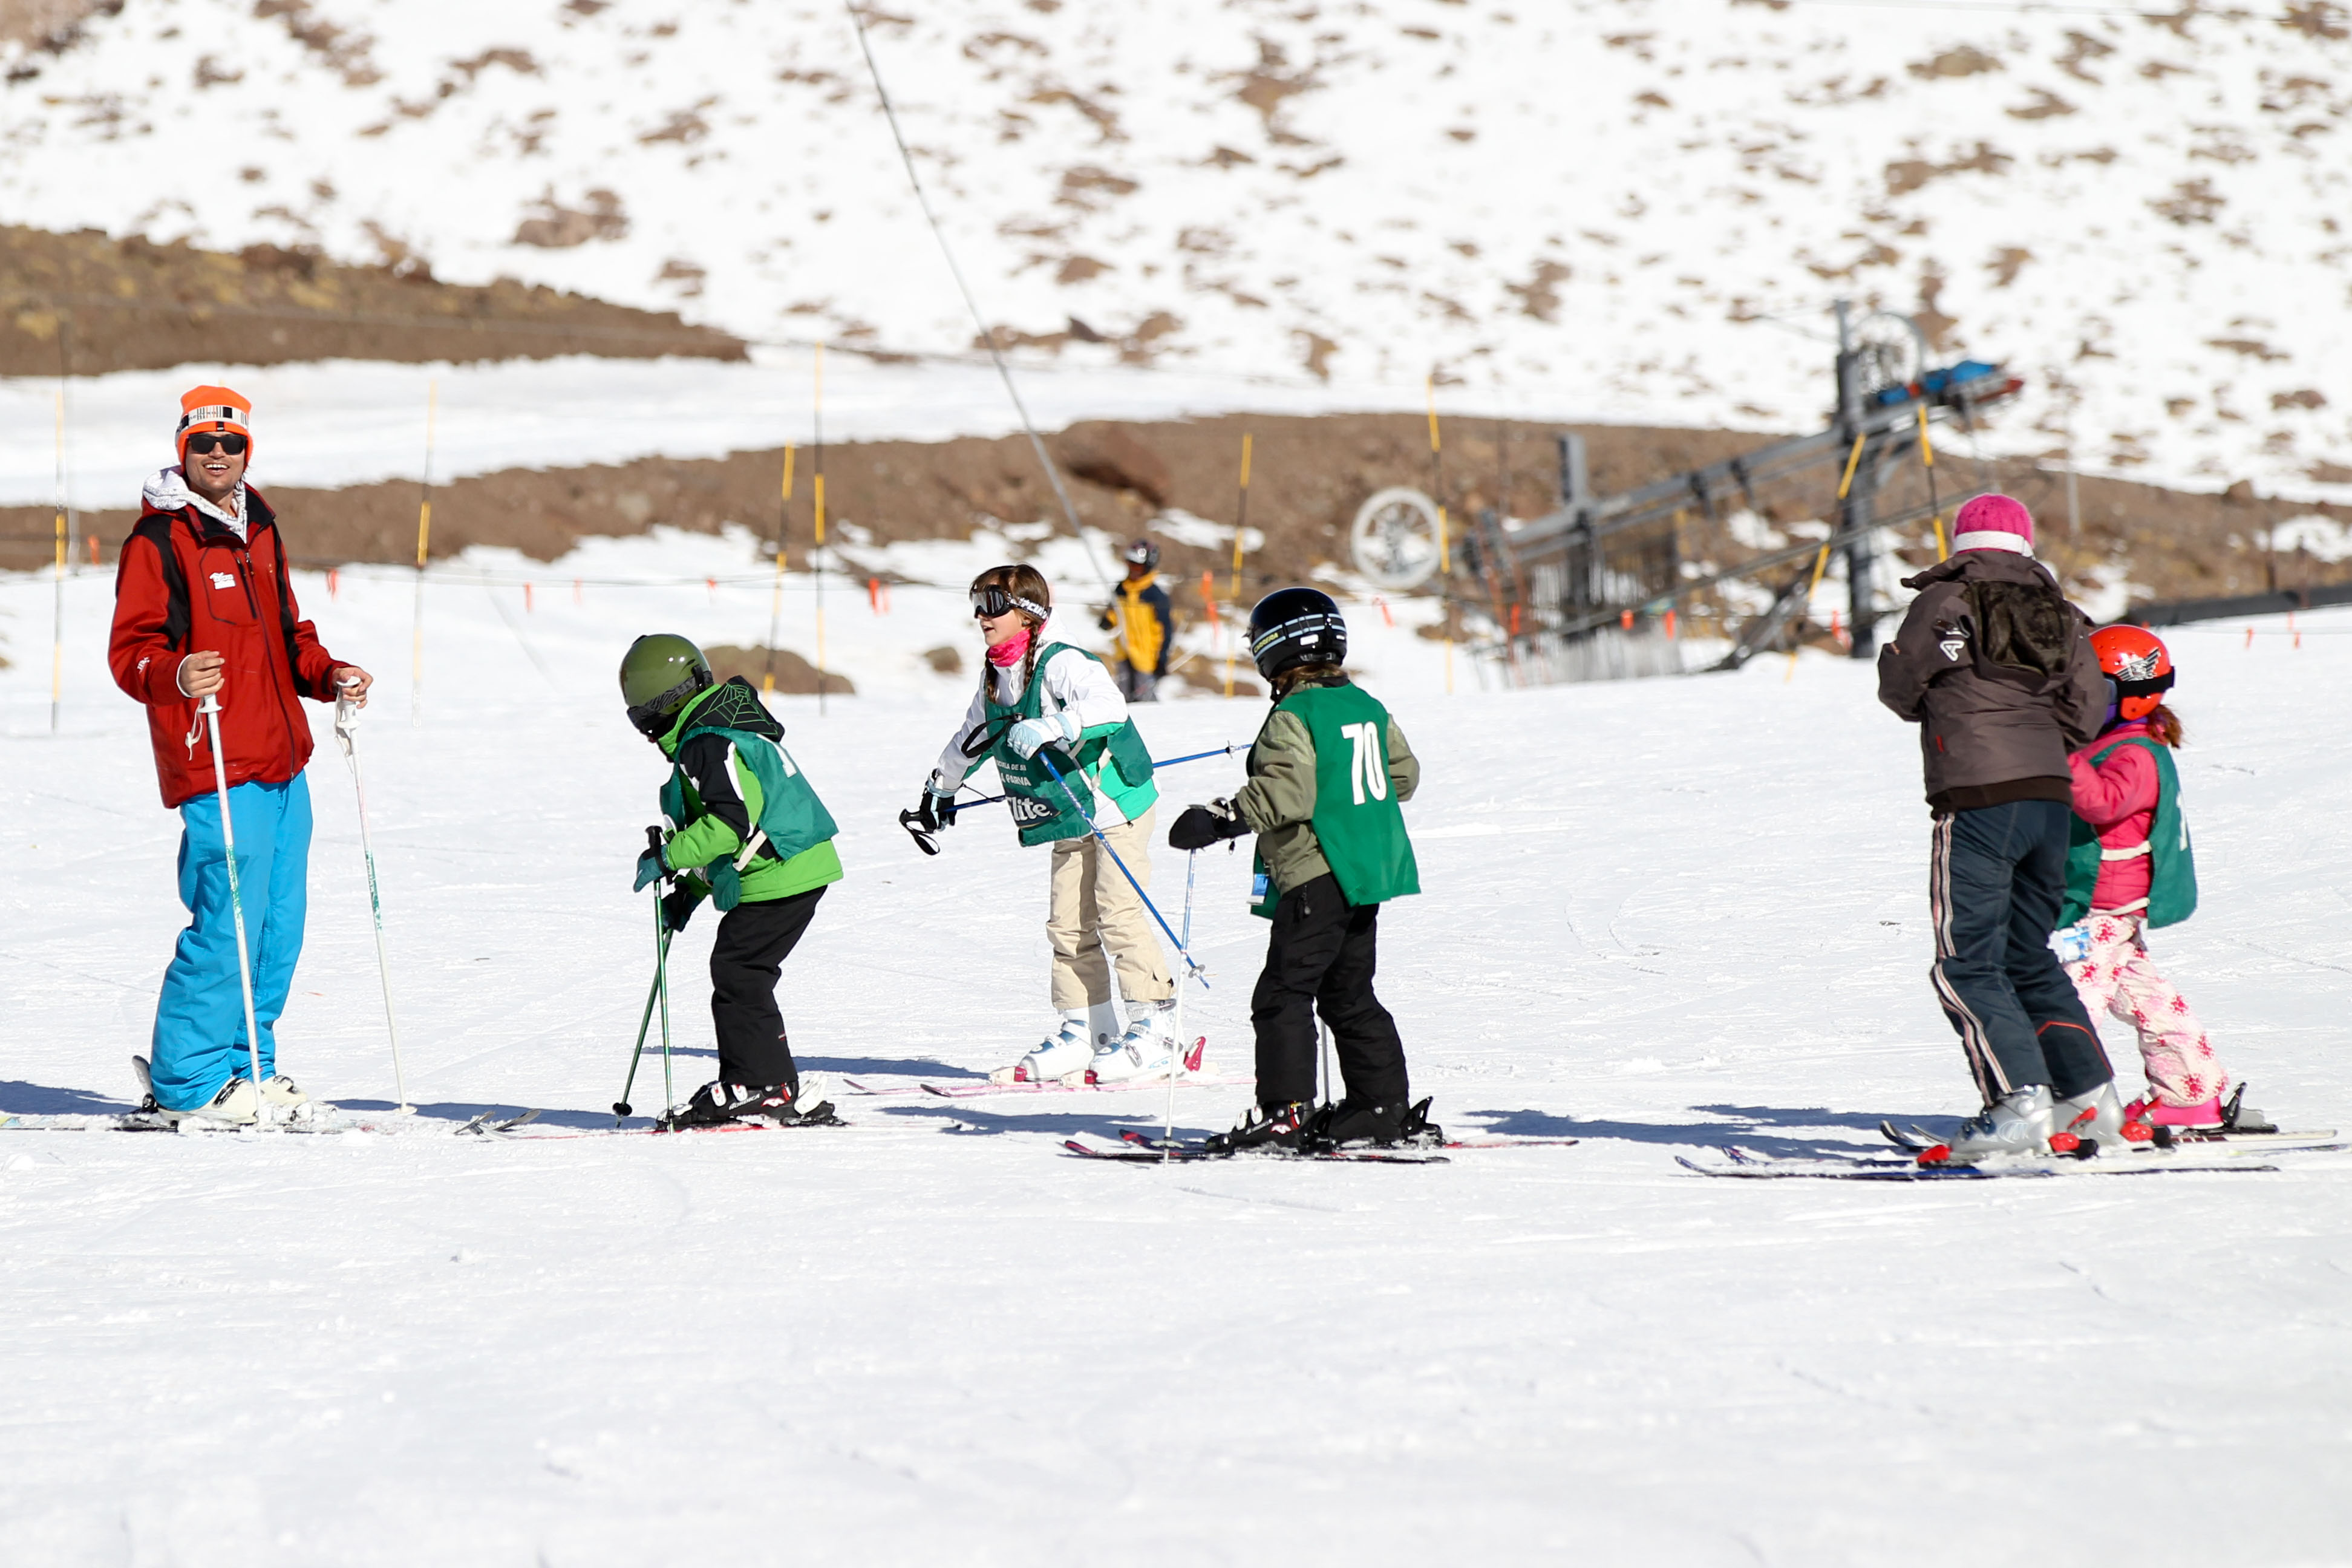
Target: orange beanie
x=215 y=410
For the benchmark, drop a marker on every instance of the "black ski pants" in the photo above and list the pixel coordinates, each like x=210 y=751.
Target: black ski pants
x=1320 y=958
x=1995 y=882
x=754 y=939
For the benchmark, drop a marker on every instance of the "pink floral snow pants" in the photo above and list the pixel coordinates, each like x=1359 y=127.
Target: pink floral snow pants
x=2119 y=977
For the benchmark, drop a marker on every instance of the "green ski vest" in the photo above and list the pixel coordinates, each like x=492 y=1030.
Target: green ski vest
x=1114 y=760
x=794 y=819
x=1357 y=824
x=2171 y=870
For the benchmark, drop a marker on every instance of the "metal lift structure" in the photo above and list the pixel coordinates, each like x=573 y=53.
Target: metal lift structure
x=1576 y=592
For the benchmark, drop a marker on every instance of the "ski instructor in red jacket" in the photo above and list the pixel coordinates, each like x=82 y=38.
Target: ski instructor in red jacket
x=202 y=606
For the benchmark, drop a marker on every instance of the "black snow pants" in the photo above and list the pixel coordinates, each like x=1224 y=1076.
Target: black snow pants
x=1320 y=958
x=1995 y=882
x=754 y=939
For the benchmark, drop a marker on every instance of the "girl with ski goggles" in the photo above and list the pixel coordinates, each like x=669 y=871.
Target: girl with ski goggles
x=993 y=599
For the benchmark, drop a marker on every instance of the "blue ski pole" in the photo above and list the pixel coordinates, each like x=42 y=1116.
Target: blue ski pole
x=1182 y=950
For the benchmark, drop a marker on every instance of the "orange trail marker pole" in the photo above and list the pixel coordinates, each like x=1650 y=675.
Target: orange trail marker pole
x=58 y=642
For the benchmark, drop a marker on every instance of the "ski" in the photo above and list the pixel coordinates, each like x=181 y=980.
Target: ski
x=1147 y=1154
x=1919 y=1140
x=1063 y=1086
x=1874 y=1168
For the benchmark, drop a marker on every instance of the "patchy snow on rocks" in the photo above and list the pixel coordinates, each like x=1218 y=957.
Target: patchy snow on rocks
x=1626 y=203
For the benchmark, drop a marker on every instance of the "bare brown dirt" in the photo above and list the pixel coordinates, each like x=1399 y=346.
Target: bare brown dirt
x=1308 y=476
x=84 y=304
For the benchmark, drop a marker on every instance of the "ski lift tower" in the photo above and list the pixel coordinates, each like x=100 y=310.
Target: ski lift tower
x=1571 y=595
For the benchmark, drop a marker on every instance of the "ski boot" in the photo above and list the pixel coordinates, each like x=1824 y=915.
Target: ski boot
x=234 y=1106
x=2018 y=1123
x=715 y=1104
x=281 y=1091
x=2206 y=1115
x=1148 y=1049
x=1273 y=1129
x=2096 y=1117
x=1056 y=1057
x=1355 y=1122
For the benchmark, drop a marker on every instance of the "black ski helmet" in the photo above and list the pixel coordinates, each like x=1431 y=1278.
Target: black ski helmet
x=1292 y=626
x=1142 y=552
x=658 y=674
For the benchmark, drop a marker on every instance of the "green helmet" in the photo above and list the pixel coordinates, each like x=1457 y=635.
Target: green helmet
x=658 y=675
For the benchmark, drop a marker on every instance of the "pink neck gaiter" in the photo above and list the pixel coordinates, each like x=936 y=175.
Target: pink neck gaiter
x=1008 y=652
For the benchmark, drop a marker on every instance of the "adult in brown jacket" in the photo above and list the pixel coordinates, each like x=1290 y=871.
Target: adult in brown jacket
x=1996 y=668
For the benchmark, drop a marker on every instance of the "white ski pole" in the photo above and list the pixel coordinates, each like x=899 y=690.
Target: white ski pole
x=210 y=708
x=347 y=716
x=1176 y=1064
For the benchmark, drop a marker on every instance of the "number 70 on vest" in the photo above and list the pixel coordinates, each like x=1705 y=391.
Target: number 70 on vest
x=1371 y=769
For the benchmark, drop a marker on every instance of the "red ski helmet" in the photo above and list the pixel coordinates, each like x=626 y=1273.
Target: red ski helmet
x=2135 y=659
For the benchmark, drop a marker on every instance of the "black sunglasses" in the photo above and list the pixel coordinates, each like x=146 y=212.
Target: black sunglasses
x=202 y=445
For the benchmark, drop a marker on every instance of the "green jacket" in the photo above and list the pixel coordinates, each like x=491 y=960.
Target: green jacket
x=731 y=773
x=1279 y=802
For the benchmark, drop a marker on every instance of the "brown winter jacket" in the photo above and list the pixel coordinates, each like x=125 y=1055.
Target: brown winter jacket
x=1995 y=667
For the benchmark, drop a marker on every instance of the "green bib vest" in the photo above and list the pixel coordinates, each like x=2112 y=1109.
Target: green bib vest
x=791 y=815
x=1118 y=763
x=2171 y=869
x=1357 y=824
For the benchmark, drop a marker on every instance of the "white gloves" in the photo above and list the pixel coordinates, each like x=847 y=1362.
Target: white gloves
x=1047 y=729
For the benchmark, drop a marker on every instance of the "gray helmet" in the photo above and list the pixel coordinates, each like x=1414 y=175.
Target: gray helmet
x=658 y=675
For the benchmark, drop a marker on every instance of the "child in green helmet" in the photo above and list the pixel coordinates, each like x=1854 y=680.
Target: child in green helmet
x=745 y=829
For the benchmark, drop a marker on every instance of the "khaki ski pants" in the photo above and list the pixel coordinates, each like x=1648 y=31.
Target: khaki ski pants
x=1095 y=910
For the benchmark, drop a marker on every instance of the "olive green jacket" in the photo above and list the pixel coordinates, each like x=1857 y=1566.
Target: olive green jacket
x=1279 y=802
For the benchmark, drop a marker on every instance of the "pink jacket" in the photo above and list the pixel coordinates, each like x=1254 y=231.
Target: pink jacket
x=2119 y=798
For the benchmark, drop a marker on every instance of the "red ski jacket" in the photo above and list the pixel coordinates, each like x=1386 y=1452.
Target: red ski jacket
x=185 y=584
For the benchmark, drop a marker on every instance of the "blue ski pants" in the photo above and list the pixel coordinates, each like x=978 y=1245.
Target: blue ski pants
x=199 y=1043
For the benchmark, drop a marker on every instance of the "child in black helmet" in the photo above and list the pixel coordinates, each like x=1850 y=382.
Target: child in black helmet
x=1145 y=623
x=744 y=828
x=1326 y=775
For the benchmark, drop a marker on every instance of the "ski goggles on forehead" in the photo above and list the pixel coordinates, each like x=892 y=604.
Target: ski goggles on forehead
x=993 y=601
x=202 y=445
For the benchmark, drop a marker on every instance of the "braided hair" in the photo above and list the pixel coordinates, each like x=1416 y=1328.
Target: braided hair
x=1023 y=582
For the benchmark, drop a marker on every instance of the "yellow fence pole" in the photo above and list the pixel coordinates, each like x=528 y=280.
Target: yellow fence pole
x=816 y=560
x=1927 y=455
x=423 y=538
x=1241 y=521
x=776 y=599
x=1444 y=554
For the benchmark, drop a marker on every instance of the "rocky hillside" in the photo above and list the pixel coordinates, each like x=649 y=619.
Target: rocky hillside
x=1629 y=209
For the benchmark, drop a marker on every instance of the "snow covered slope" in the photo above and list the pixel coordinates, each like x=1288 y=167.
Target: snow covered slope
x=1623 y=201
x=1659 y=915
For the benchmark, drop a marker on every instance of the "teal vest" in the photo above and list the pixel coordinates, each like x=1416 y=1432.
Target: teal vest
x=791 y=815
x=1046 y=811
x=2171 y=870
x=1357 y=824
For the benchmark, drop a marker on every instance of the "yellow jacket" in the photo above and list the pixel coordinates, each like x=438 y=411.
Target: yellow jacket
x=1140 y=611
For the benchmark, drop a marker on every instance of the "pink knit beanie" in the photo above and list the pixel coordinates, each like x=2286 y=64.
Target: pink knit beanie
x=1993 y=521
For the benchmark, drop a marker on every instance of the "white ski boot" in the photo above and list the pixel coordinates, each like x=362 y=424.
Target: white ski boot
x=235 y=1106
x=2095 y=1116
x=1148 y=1049
x=1058 y=1056
x=2017 y=1124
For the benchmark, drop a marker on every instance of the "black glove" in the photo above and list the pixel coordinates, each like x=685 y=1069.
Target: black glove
x=935 y=810
x=677 y=908
x=1202 y=826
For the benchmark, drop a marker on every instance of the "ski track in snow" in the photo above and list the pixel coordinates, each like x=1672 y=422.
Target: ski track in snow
x=1661 y=916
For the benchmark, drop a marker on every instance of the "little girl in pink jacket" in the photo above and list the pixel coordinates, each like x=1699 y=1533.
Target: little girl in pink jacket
x=2129 y=794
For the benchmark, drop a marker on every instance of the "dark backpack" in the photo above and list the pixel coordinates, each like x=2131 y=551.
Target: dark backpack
x=2025 y=632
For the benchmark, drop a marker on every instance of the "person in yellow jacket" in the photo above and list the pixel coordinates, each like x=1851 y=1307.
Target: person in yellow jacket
x=1146 y=624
